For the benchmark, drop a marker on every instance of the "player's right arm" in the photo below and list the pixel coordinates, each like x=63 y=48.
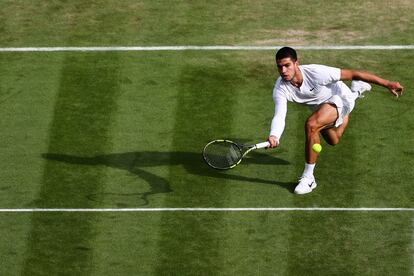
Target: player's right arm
x=273 y=141
x=278 y=122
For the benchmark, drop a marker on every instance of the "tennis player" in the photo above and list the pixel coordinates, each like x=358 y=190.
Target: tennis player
x=331 y=101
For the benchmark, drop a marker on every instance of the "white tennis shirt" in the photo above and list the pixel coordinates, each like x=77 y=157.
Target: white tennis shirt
x=315 y=89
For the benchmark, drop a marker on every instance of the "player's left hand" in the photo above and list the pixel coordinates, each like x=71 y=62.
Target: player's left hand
x=395 y=88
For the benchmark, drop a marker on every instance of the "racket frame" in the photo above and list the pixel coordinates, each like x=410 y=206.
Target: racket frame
x=239 y=147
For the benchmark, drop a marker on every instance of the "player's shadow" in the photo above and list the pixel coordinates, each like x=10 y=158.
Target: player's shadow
x=136 y=162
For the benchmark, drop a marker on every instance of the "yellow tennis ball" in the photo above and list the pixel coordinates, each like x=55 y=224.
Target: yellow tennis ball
x=317 y=148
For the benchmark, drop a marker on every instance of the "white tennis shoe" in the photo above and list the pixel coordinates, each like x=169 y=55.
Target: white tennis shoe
x=306 y=185
x=360 y=87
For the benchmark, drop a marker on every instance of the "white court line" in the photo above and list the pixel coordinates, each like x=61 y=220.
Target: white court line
x=282 y=209
x=202 y=48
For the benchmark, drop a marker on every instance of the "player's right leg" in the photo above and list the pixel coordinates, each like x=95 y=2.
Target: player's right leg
x=324 y=116
x=330 y=120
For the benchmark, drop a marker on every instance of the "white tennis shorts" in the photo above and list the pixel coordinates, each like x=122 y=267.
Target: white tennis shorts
x=344 y=100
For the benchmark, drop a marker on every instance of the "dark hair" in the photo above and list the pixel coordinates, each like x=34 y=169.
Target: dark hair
x=286 y=52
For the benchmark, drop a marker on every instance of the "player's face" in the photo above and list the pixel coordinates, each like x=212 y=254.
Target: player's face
x=287 y=68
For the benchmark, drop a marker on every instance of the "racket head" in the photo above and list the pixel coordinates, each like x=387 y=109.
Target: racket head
x=222 y=154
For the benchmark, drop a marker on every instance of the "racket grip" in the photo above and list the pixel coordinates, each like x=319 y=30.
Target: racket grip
x=262 y=145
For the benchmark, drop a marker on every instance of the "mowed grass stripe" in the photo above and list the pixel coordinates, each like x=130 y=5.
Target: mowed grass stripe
x=334 y=171
x=85 y=104
x=206 y=88
x=27 y=101
x=140 y=160
x=378 y=244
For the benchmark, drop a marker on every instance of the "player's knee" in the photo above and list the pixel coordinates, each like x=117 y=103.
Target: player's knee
x=332 y=141
x=330 y=136
x=311 y=125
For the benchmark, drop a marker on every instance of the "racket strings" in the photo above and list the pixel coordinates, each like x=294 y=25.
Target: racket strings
x=222 y=154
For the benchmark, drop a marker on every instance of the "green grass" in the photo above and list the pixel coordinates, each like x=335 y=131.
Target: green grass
x=145 y=22
x=125 y=129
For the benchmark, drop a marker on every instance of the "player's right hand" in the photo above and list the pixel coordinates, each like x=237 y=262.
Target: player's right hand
x=274 y=142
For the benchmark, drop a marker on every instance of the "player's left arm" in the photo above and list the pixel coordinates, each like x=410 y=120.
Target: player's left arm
x=395 y=88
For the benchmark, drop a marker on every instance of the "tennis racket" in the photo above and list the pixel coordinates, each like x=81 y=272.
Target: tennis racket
x=226 y=154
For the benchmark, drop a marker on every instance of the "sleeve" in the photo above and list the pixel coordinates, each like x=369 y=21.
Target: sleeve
x=326 y=74
x=278 y=122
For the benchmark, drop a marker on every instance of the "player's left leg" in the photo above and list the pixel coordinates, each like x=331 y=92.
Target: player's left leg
x=332 y=135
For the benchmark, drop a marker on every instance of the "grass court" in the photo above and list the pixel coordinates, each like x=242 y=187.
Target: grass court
x=125 y=129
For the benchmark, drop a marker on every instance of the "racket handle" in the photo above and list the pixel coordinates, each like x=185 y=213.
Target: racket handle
x=262 y=145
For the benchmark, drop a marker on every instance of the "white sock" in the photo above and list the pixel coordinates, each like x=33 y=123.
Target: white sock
x=308 y=171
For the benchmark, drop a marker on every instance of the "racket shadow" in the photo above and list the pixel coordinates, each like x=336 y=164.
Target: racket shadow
x=256 y=158
x=133 y=162
x=138 y=162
